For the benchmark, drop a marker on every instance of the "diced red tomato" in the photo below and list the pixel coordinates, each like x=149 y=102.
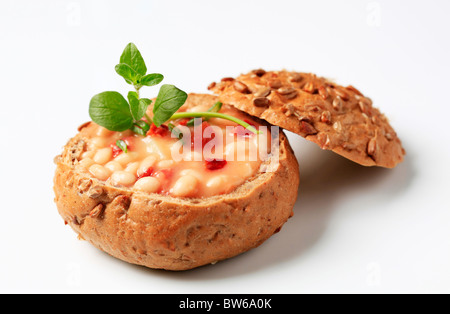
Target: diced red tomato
x=161 y=131
x=163 y=174
x=146 y=173
x=116 y=151
x=129 y=140
x=215 y=164
x=240 y=131
x=184 y=122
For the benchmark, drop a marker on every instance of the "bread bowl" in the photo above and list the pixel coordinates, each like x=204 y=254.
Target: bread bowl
x=157 y=227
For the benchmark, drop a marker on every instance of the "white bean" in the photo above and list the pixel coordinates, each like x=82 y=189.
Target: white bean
x=148 y=184
x=86 y=163
x=98 y=142
x=193 y=173
x=218 y=183
x=100 y=172
x=103 y=156
x=124 y=178
x=126 y=158
x=133 y=167
x=165 y=164
x=114 y=166
x=185 y=186
x=88 y=154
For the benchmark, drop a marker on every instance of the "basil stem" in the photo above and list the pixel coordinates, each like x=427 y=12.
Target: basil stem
x=215 y=108
x=184 y=115
x=149 y=120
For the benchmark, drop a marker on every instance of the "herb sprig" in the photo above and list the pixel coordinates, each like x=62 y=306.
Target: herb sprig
x=112 y=111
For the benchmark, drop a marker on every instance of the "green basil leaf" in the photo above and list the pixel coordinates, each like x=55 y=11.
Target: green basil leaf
x=111 y=111
x=138 y=106
x=130 y=75
x=216 y=107
x=136 y=129
x=151 y=79
x=134 y=106
x=122 y=145
x=141 y=127
x=143 y=106
x=132 y=57
x=147 y=101
x=169 y=100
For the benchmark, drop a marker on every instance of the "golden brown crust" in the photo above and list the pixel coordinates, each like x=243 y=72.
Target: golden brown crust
x=159 y=231
x=336 y=118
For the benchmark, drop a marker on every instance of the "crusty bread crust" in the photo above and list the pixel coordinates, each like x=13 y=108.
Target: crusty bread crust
x=336 y=118
x=164 y=232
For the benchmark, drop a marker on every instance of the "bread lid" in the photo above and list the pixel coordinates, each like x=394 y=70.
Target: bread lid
x=334 y=117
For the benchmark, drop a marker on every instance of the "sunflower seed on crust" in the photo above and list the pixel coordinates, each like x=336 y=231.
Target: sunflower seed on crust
x=389 y=136
x=212 y=85
x=309 y=88
x=324 y=140
x=291 y=95
x=228 y=79
x=323 y=92
x=241 y=87
x=341 y=93
x=259 y=72
x=261 y=102
x=288 y=93
x=286 y=90
x=337 y=104
x=263 y=92
x=307 y=128
x=313 y=108
x=275 y=84
x=337 y=126
x=75 y=221
x=84 y=185
x=290 y=110
x=97 y=211
x=95 y=192
x=365 y=108
x=354 y=90
x=372 y=147
x=375 y=120
x=326 y=117
x=296 y=77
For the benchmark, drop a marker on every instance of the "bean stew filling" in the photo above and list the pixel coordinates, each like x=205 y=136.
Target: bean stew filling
x=211 y=158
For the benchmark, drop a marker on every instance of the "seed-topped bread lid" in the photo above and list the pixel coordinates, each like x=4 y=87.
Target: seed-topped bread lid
x=336 y=118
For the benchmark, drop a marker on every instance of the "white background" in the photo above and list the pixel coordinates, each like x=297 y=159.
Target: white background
x=355 y=229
